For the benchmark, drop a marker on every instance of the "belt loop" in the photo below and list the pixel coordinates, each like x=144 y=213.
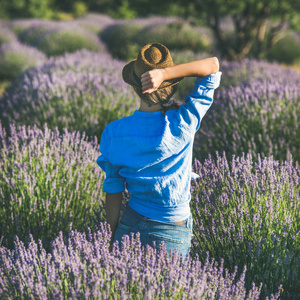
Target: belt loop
x=186 y=223
x=189 y=222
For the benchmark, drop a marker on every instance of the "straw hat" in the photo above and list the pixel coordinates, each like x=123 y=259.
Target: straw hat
x=152 y=56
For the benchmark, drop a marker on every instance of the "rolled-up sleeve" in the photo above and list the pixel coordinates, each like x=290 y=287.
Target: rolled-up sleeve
x=113 y=182
x=199 y=101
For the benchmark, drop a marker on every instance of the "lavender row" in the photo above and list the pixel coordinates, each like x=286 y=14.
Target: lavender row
x=80 y=266
x=15 y=58
x=174 y=33
x=247 y=213
x=57 y=38
x=257 y=116
x=49 y=182
x=70 y=92
x=6 y=35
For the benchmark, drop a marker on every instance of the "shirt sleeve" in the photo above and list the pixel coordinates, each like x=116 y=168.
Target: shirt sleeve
x=113 y=182
x=199 y=101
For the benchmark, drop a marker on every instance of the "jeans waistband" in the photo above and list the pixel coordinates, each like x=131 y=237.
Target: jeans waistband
x=135 y=213
x=138 y=216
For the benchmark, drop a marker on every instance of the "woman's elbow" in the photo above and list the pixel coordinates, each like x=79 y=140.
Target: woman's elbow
x=215 y=64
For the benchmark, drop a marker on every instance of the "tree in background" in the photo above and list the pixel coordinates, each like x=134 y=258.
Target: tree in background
x=25 y=9
x=257 y=24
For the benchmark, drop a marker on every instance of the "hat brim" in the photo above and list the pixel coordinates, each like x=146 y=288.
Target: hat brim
x=128 y=77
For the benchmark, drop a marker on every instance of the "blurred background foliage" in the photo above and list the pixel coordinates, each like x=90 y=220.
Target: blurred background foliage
x=252 y=29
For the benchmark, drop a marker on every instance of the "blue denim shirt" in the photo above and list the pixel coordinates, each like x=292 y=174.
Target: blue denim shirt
x=151 y=154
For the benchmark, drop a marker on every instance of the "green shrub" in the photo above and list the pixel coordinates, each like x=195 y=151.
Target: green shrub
x=125 y=39
x=286 y=50
x=120 y=39
x=29 y=33
x=25 y=9
x=177 y=35
x=79 y=9
x=123 y=11
x=68 y=39
x=6 y=35
x=82 y=91
x=20 y=25
x=16 y=58
x=94 y=22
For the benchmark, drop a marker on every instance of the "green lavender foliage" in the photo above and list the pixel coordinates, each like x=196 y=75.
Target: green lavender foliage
x=49 y=182
x=80 y=266
x=124 y=39
x=247 y=213
x=83 y=91
x=58 y=38
x=6 y=35
x=16 y=58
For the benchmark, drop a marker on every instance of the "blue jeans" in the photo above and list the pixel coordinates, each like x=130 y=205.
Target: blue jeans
x=173 y=235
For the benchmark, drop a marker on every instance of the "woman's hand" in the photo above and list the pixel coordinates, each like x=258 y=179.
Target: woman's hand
x=151 y=80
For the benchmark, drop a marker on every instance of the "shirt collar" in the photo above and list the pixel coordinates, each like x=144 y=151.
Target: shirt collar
x=148 y=114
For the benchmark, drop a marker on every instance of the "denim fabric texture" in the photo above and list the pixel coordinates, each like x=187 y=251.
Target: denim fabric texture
x=150 y=154
x=174 y=236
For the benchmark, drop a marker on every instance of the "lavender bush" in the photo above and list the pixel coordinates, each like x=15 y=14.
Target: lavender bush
x=49 y=182
x=34 y=30
x=6 y=35
x=18 y=26
x=15 y=58
x=258 y=116
x=177 y=35
x=83 y=91
x=134 y=34
x=69 y=39
x=234 y=72
x=81 y=267
x=248 y=214
x=57 y=38
x=120 y=39
x=94 y=22
x=287 y=49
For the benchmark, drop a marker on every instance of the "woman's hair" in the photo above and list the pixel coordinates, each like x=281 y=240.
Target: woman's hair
x=162 y=96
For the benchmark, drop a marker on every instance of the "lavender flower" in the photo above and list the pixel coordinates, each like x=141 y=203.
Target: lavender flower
x=18 y=26
x=15 y=58
x=257 y=116
x=247 y=214
x=48 y=181
x=94 y=22
x=6 y=35
x=80 y=266
x=57 y=38
x=85 y=88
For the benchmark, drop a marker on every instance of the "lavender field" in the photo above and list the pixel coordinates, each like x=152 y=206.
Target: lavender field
x=246 y=203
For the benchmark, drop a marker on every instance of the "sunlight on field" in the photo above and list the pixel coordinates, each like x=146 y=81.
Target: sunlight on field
x=295 y=66
x=61 y=85
x=3 y=85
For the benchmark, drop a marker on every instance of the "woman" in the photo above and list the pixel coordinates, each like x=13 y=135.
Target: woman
x=150 y=152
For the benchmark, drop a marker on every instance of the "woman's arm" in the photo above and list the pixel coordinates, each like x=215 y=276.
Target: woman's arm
x=151 y=80
x=112 y=207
